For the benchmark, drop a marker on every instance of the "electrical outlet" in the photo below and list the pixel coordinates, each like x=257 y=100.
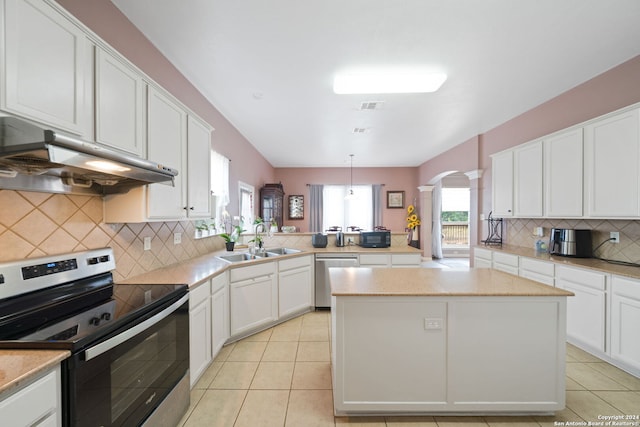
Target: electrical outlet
x=615 y=235
x=147 y=243
x=177 y=238
x=432 y=324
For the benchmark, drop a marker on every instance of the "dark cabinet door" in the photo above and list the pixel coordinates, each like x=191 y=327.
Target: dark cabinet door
x=272 y=203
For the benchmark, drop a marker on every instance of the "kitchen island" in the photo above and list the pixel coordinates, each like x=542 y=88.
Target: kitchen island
x=425 y=341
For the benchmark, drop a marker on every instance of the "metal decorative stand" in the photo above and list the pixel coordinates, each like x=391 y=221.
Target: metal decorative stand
x=495 y=231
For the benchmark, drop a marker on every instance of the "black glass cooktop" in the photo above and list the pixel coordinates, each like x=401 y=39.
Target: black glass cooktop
x=72 y=316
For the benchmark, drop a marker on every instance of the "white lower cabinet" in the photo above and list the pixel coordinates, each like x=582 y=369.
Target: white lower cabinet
x=586 y=311
x=540 y=271
x=625 y=320
x=295 y=285
x=38 y=403
x=482 y=258
x=200 y=353
x=253 y=297
x=505 y=262
x=219 y=312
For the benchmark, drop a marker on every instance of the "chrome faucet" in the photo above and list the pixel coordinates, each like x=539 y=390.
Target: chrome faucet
x=258 y=238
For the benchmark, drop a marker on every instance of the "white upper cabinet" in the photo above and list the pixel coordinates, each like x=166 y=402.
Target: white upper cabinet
x=119 y=104
x=563 y=174
x=612 y=165
x=199 y=168
x=502 y=184
x=167 y=141
x=527 y=173
x=47 y=67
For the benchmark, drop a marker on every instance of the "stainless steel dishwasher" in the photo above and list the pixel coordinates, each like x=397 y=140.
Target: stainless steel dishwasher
x=323 y=263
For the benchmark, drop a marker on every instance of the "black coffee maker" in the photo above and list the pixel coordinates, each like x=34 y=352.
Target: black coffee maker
x=569 y=242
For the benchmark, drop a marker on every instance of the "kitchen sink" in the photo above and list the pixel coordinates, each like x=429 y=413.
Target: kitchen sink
x=283 y=251
x=238 y=257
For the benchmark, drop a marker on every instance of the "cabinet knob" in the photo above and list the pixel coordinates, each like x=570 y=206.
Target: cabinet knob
x=191 y=208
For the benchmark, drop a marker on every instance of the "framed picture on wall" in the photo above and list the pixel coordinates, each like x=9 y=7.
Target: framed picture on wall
x=395 y=199
x=296 y=207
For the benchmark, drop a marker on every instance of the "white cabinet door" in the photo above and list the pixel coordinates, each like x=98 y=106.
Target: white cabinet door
x=527 y=192
x=199 y=331
x=219 y=312
x=502 y=184
x=294 y=291
x=119 y=104
x=586 y=310
x=563 y=175
x=167 y=136
x=625 y=319
x=47 y=62
x=612 y=166
x=38 y=403
x=254 y=303
x=198 y=169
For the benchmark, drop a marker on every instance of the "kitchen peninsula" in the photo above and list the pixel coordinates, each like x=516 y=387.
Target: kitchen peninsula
x=425 y=341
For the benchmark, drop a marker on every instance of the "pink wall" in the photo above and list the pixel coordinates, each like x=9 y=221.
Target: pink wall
x=461 y=158
x=106 y=20
x=295 y=181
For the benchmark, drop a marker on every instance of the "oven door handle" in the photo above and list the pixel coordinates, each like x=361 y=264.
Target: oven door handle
x=107 y=345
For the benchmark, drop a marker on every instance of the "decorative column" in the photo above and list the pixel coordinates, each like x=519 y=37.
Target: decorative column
x=424 y=204
x=474 y=207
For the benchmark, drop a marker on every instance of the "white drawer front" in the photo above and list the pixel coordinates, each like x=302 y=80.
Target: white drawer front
x=374 y=259
x=483 y=253
x=199 y=293
x=536 y=266
x=506 y=259
x=291 y=263
x=406 y=259
x=251 y=271
x=584 y=277
x=626 y=287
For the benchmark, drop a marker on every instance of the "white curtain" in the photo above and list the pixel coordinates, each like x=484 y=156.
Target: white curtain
x=219 y=183
x=436 y=229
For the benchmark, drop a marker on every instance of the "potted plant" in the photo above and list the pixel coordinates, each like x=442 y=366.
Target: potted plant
x=230 y=238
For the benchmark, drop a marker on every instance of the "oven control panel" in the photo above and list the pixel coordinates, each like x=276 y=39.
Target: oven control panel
x=38 y=270
x=28 y=275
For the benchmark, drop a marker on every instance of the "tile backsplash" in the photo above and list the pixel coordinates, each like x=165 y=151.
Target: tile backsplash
x=519 y=232
x=38 y=224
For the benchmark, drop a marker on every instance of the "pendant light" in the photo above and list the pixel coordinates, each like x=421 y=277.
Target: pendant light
x=351 y=195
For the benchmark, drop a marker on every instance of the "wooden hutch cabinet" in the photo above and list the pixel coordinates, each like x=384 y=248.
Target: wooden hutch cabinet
x=272 y=203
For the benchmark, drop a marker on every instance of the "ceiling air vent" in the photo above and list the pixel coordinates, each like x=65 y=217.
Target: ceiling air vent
x=371 y=105
x=359 y=130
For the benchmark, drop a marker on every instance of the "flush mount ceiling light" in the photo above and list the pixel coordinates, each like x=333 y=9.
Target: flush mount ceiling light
x=387 y=82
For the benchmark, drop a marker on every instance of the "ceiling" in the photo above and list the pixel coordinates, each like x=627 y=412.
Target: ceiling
x=268 y=66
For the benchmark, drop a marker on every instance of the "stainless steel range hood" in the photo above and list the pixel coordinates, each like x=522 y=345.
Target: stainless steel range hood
x=36 y=159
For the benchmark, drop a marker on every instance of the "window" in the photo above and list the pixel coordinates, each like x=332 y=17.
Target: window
x=337 y=211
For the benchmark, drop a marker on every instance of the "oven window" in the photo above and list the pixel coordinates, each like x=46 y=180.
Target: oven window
x=123 y=386
x=135 y=372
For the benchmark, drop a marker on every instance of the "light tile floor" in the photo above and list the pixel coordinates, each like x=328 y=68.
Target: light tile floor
x=282 y=377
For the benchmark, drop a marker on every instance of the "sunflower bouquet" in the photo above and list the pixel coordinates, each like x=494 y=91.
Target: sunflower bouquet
x=412 y=218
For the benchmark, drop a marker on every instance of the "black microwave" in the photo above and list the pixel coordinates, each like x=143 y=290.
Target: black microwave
x=375 y=239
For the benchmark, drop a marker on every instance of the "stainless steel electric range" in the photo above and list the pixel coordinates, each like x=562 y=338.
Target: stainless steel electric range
x=129 y=344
